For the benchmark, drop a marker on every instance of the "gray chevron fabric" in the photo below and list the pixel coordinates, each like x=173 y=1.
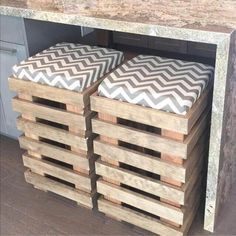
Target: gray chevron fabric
x=165 y=84
x=69 y=66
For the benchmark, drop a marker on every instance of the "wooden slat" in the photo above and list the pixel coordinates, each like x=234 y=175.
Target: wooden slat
x=188 y=222
x=140 y=138
x=49 y=113
x=59 y=188
x=76 y=129
x=140 y=201
x=195 y=156
x=149 y=116
x=29 y=134
x=172 y=158
x=198 y=108
x=56 y=153
x=140 y=114
x=138 y=219
x=46 y=92
x=192 y=204
x=91 y=89
x=139 y=181
x=195 y=176
x=113 y=120
x=59 y=171
x=193 y=196
x=197 y=131
x=139 y=160
x=49 y=132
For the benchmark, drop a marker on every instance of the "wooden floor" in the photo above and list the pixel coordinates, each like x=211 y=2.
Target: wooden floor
x=28 y=211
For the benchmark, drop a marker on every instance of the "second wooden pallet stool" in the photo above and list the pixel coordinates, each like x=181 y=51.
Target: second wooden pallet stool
x=53 y=90
x=153 y=123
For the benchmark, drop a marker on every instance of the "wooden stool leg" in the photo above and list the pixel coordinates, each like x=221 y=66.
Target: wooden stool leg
x=31 y=135
x=77 y=130
x=175 y=160
x=112 y=119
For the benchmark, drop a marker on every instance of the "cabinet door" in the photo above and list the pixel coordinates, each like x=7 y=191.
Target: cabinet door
x=169 y=45
x=10 y=54
x=12 y=29
x=3 y=127
x=130 y=39
x=202 y=49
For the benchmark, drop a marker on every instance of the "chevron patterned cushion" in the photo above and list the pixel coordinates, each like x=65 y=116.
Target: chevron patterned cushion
x=166 y=84
x=69 y=66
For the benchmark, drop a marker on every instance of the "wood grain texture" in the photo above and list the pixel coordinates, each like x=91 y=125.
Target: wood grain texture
x=58 y=188
x=142 y=182
x=139 y=219
x=28 y=133
x=27 y=211
x=142 y=151
x=49 y=113
x=139 y=160
x=114 y=141
x=140 y=138
x=145 y=115
x=140 y=201
x=46 y=92
x=49 y=132
x=56 y=153
x=77 y=128
x=60 y=172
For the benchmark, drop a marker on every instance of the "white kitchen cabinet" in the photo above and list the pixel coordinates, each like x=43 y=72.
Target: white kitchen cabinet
x=13 y=49
x=10 y=54
x=3 y=127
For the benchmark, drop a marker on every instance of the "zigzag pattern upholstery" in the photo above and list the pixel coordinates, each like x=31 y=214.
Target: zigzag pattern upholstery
x=69 y=66
x=165 y=84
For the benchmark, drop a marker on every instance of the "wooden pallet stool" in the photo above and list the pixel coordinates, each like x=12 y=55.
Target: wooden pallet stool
x=152 y=126
x=54 y=89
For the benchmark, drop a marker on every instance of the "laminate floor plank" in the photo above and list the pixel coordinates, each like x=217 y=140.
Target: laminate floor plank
x=17 y=223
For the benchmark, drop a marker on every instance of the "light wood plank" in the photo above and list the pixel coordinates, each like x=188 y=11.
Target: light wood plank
x=149 y=116
x=46 y=92
x=195 y=156
x=139 y=160
x=59 y=188
x=57 y=153
x=140 y=114
x=197 y=131
x=91 y=89
x=139 y=181
x=59 y=171
x=140 y=138
x=50 y=113
x=113 y=141
x=140 y=201
x=29 y=134
x=190 y=217
x=138 y=219
x=195 y=176
x=199 y=106
x=76 y=128
x=175 y=160
x=172 y=158
x=49 y=132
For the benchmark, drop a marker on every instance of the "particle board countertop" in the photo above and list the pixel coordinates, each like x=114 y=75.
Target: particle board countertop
x=206 y=21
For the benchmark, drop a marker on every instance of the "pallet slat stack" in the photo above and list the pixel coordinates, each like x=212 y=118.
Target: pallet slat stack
x=152 y=175
x=53 y=98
